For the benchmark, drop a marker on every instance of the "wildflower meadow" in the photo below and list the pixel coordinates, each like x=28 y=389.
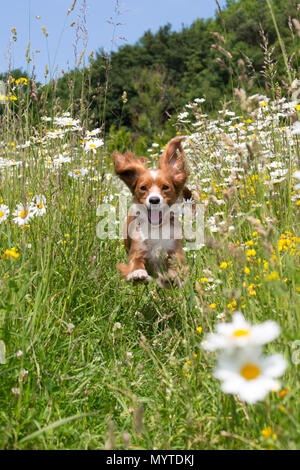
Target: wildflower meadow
x=89 y=361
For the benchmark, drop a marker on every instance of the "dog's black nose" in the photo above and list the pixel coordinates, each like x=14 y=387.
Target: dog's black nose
x=154 y=200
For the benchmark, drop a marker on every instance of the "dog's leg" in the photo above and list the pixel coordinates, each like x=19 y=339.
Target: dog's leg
x=135 y=270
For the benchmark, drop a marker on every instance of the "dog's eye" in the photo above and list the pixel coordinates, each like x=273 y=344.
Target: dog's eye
x=144 y=188
x=165 y=187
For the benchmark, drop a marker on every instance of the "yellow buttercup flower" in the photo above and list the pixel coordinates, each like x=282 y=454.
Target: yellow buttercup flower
x=11 y=253
x=224 y=265
x=251 y=252
x=232 y=305
x=267 y=432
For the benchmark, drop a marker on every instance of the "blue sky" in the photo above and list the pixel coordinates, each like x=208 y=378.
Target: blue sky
x=57 y=51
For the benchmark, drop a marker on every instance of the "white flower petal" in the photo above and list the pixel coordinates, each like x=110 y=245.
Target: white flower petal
x=265 y=332
x=274 y=366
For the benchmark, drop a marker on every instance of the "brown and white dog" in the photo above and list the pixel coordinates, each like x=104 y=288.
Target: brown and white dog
x=151 y=243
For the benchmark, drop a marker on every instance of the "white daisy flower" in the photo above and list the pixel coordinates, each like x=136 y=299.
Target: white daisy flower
x=278 y=176
x=4 y=212
x=93 y=144
x=55 y=134
x=22 y=215
x=93 y=132
x=66 y=121
x=60 y=159
x=249 y=374
x=240 y=333
x=38 y=205
x=183 y=115
x=77 y=173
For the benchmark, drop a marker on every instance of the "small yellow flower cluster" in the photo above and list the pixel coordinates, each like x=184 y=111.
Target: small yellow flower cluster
x=225 y=265
x=12 y=97
x=251 y=289
x=288 y=243
x=250 y=243
x=23 y=81
x=232 y=305
x=12 y=253
x=186 y=366
x=267 y=433
x=250 y=254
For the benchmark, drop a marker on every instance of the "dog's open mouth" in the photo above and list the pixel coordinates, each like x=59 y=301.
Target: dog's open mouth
x=155 y=216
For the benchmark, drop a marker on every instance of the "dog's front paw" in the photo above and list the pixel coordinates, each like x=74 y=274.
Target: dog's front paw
x=140 y=275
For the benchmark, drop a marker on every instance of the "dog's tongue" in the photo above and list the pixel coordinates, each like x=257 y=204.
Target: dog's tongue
x=154 y=216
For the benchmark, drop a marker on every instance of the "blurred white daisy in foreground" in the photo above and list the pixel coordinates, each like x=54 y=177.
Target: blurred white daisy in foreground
x=22 y=215
x=4 y=212
x=38 y=205
x=240 y=333
x=249 y=374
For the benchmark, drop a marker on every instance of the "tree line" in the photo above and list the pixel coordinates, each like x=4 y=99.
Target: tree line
x=134 y=91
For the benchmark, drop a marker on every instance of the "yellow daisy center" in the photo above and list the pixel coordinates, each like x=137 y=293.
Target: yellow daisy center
x=23 y=214
x=250 y=371
x=238 y=333
x=40 y=205
x=1 y=214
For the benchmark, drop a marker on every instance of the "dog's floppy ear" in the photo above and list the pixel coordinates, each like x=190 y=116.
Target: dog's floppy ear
x=128 y=168
x=174 y=158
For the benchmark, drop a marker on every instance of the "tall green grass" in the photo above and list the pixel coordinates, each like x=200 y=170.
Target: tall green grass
x=93 y=362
